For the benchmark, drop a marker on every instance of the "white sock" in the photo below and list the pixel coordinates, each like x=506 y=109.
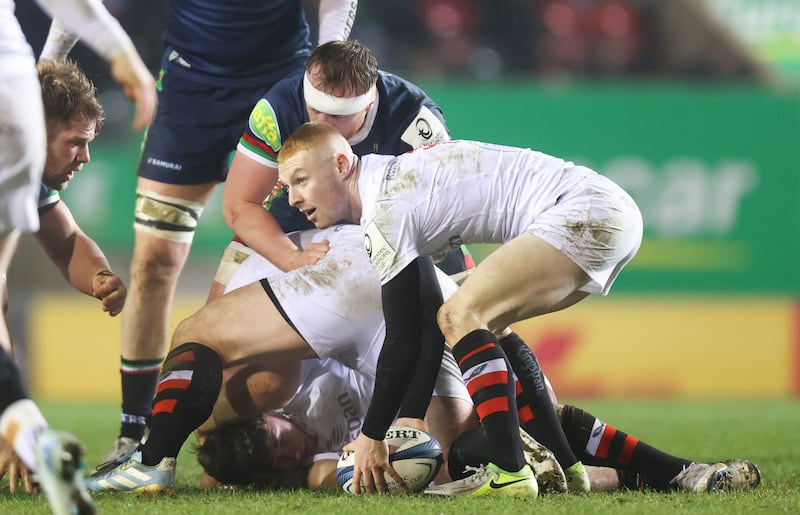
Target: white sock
x=21 y=423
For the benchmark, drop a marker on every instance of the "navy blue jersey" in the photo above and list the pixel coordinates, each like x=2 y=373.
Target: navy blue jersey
x=238 y=39
x=406 y=118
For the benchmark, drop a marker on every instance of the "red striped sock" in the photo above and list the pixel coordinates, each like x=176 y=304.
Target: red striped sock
x=187 y=390
x=486 y=373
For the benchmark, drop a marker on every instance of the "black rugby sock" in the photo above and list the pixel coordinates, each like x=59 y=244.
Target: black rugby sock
x=536 y=412
x=139 y=379
x=603 y=445
x=486 y=373
x=187 y=390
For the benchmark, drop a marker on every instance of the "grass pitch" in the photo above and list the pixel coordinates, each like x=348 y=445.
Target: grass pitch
x=764 y=431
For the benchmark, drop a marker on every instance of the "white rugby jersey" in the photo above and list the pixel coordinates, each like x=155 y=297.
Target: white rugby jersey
x=431 y=200
x=330 y=403
x=12 y=39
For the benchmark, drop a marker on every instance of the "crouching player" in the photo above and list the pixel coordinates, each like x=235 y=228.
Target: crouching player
x=566 y=233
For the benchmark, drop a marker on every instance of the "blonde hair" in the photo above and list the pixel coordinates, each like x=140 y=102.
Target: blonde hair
x=308 y=136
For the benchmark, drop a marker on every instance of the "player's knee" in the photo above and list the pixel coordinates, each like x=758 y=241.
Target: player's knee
x=187 y=330
x=153 y=273
x=454 y=320
x=169 y=218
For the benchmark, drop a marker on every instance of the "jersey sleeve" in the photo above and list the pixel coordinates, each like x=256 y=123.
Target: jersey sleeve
x=336 y=19
x=262 y=139
x=428 y=126
x=273 y=119
x=91 y=21
x=389 y=239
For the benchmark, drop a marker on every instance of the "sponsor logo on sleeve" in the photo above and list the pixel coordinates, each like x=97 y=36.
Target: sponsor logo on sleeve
x=264 y=124
x=426 y=128
x=380 y=252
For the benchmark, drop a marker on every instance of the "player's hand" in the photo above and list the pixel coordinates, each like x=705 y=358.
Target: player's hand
x=371 y=461
x=137 y=84
x=109 y=289
x=309 y=255
x=11 y=464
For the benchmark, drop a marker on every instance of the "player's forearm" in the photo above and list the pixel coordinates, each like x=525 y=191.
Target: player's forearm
x=91 y=21
x=399 y=355
x=429 y=361
x=59 y=42
x=85 y=261
x=259 y=230
x=336 y=19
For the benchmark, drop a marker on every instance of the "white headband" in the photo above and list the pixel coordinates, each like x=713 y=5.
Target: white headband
x=329 y=104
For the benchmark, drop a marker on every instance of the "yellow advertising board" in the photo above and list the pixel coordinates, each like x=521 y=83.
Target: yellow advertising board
x=617 y=346
x=668 y=346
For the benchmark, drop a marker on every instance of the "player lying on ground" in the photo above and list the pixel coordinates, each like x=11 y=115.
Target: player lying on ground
x=297 y=445
x=566 y=232
x=327 y=310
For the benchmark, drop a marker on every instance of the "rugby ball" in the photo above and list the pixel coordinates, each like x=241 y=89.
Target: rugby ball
x=417 y=458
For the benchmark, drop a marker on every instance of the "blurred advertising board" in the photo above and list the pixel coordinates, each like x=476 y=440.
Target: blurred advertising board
x=620 y=346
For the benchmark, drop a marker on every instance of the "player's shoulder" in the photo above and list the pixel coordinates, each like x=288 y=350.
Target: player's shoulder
x=394 y=86
x=285 y=97
x=277 y=114
x=288 y=86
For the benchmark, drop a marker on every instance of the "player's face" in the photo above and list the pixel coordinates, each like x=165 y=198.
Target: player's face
x=294 y=445
x=347 y=124
x=316 y=187
x=67 y=151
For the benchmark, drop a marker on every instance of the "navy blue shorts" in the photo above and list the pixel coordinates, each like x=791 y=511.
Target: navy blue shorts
x=196 y=128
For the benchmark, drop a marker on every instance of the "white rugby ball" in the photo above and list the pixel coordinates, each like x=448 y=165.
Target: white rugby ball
x=417 y=459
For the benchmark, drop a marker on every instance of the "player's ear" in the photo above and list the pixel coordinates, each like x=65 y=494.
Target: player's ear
x=344 y=164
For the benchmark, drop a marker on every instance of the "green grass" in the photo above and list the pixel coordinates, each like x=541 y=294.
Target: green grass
x=764 y=431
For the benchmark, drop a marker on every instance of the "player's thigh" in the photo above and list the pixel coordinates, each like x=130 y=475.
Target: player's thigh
x=243 y=324
x=523 y=278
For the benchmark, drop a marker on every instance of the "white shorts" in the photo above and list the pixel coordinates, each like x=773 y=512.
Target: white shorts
x=597 y=225
x=22 y=144
x=335 y=304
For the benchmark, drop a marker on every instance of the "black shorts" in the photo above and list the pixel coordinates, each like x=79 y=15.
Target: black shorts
x=196 y=128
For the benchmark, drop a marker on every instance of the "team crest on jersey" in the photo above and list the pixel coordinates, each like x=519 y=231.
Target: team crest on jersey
x=380 y=252
x=425 y=129
x=264 y=124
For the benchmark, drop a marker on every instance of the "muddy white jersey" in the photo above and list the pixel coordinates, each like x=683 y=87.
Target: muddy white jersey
x=330 y=403
x=431 y=200
x=335 y=304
